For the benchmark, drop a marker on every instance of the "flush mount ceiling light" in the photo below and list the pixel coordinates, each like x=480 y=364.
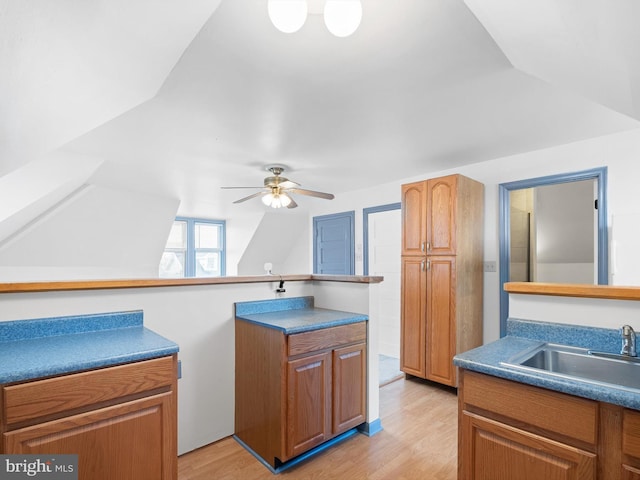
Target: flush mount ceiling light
x=342 y=17
x=288 y=16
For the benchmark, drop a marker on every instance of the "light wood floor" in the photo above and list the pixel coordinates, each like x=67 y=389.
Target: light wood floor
x=419 y=441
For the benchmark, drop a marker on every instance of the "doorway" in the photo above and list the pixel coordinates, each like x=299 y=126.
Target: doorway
x=382 y=227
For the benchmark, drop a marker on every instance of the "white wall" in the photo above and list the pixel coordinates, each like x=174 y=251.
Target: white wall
x=94 y=233
x=591 y=312
x=200 y=320
x=31 y=190
x=272 y=242
x=619 y=152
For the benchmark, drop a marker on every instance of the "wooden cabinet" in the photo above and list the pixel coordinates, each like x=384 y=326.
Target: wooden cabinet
x=308 y=403
x=121 y=420
x=502 y=451
x=295 y=392
x=441 y=319
x=510 y=430
x=413 y=306
x=631 y=445
x=442 y=277
x=414 y=219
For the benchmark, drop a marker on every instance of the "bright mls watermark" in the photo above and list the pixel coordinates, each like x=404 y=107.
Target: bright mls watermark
x=49 y=467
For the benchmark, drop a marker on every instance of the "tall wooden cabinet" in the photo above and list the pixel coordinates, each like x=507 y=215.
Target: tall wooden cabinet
x=442 y=277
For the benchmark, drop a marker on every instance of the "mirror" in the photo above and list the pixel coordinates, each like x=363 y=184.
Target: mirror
x=553 y=229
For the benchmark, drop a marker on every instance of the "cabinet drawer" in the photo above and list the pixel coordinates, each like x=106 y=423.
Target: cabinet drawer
x=563 y=414
x=52 y=396
x=313 y=341
x=631 y=433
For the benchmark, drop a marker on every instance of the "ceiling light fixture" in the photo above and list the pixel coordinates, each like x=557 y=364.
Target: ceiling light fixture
x=288 y=16
x=275 y=199
x=341 y=17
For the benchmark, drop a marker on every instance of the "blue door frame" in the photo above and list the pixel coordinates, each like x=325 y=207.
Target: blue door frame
x=598 y=174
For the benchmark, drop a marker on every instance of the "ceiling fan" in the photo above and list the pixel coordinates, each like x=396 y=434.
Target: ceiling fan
x=277 y=190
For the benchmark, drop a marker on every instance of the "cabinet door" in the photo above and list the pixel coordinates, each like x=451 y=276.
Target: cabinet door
x=414 y=216
x=412 y=324
x=308 y=403
x=441 y=218
x=493 y=450
x=441 y=326
x=129 y=441
x=349 y=387
x=630 y=473
x=631 y=444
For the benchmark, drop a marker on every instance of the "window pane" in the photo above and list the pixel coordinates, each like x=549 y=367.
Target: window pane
x=177 y=235
x=207 y=264
x=207 y=235
x=172 y=265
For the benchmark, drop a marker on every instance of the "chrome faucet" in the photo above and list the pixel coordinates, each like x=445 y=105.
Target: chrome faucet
x=628 y=342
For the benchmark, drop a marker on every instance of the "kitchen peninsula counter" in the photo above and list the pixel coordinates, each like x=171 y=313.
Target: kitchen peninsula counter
x=294 y=315
x=45 y=347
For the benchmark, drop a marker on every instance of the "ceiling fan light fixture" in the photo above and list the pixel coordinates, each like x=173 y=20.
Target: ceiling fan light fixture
x=342 y=17
x=276 y=200
x=288 y=16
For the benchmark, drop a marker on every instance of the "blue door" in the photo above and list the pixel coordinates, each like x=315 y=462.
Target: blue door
x=333 y=249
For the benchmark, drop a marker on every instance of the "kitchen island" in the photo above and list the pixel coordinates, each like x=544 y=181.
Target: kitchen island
x=301 y=379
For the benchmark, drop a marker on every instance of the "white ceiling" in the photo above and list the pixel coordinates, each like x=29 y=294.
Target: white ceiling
x=181 y=98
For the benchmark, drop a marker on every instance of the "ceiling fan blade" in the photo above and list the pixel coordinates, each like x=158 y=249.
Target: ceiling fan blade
x=311 y=193
x=288 y=184
x=229 y=188
x=293 y=203
x=250 y=197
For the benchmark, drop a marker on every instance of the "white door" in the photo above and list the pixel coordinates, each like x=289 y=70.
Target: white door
x=384 y=259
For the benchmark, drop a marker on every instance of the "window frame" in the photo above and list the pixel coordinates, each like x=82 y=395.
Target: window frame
x=190 y=251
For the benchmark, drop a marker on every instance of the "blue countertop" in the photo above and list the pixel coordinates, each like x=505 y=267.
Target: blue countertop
x=522 y=335
x=294 y=315
x=31 y=349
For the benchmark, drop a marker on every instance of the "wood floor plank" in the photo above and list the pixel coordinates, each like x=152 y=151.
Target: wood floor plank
x=419 y=441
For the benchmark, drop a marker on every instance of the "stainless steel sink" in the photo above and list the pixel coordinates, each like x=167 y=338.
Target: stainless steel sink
x=581 y=364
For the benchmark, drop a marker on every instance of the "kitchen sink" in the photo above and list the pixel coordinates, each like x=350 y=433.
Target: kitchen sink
x=603 y=368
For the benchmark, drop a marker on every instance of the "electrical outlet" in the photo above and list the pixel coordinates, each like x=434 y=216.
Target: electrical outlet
x=490 y=267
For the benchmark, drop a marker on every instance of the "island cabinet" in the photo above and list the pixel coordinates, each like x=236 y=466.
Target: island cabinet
x=442 y=275
x=296 y=391
x=120 y=420
x=509 y=430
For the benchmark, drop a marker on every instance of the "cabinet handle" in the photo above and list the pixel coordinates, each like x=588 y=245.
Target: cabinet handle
x=429 y=246
x=428 y=264
x=422 y=265
x=423 y=248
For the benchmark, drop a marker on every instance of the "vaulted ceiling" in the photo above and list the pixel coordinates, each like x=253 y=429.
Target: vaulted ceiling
x=181 y=98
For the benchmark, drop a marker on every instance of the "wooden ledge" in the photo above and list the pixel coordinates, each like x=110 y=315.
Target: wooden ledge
x=612 y=292
x=175 y=282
